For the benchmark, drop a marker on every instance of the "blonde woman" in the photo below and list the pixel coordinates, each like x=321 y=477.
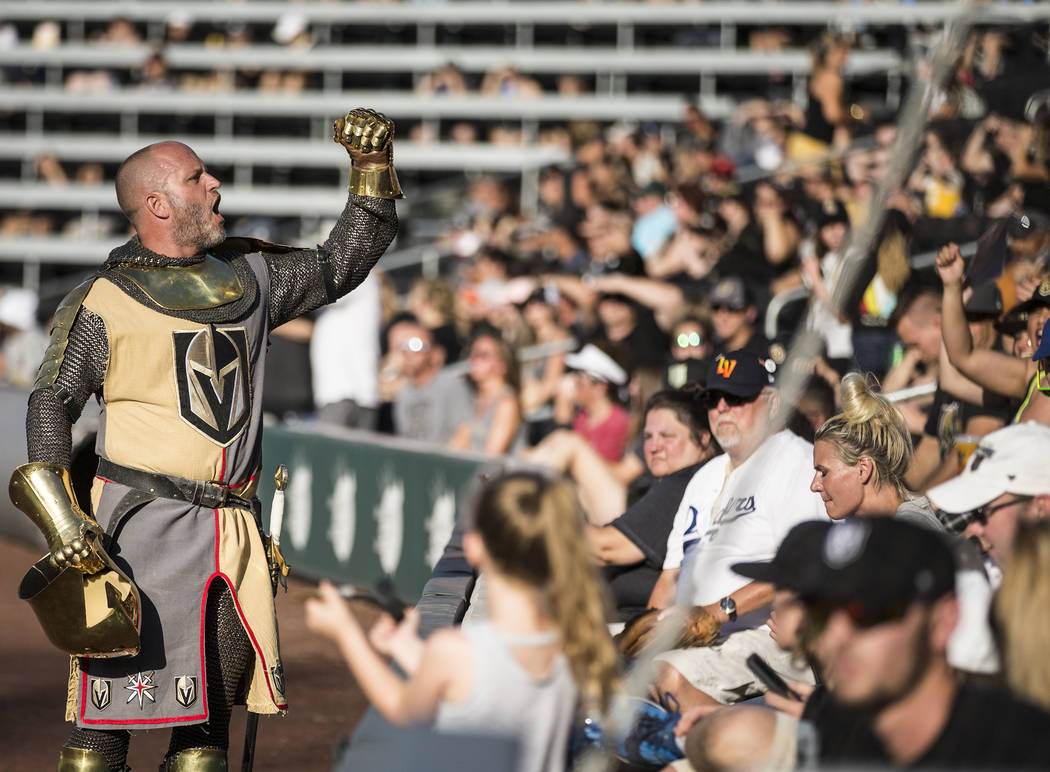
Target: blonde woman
x=861 y=455
x=1025 y=637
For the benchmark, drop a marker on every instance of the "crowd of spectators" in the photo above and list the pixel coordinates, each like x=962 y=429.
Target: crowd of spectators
x=621 y=334
x=657 y=256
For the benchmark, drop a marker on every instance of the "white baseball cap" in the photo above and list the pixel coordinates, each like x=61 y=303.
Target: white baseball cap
x=1015 y=459
x=592 y=361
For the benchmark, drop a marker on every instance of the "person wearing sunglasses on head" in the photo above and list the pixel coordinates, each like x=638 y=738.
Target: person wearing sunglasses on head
x=737 y=507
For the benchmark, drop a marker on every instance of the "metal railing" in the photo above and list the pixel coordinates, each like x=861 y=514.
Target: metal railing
x=625 y=17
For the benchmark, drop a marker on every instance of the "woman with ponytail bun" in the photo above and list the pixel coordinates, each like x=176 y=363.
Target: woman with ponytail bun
x=520 y=673
x=861 y=455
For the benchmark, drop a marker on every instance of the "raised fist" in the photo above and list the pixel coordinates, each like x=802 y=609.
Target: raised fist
x=364 y=132
x=950 y=264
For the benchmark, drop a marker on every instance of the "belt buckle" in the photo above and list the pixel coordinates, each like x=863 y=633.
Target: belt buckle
x=215 y=494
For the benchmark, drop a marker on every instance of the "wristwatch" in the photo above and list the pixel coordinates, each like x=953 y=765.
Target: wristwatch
x=728 y=606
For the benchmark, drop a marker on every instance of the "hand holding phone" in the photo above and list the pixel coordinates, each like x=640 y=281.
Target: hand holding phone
x=383 y=595
x=771 y=679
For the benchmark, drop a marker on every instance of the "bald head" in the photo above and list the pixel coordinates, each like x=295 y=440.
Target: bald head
x=919 y=325
x=143 y=172
x=733 y=738
x=171 y=200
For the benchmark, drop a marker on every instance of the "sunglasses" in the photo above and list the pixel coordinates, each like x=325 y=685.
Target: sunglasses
x=689 y=340
x=861 y=615
x=1042 y=375
x=957 y=523
x=711 y=399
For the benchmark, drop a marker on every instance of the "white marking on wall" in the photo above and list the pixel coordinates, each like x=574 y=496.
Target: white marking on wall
x=343 y=507
x=298 y=503
x=441 y=522
x=390 y=521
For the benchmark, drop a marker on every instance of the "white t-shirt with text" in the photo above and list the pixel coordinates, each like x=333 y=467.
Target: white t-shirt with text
x=743 y=517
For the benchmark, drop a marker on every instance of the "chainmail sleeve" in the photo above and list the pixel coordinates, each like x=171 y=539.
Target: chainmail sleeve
x=53 y=409
x=304 y=280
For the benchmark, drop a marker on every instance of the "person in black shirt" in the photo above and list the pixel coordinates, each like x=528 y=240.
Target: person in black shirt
x=880 y=605
x=735 y=318
x=632 y=547
x=880 y=620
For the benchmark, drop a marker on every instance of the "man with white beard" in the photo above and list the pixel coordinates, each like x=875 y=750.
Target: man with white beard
x=738 y=507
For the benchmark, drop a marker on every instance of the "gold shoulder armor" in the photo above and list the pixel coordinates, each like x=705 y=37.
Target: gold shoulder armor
x=61 y=324
x=211 y=282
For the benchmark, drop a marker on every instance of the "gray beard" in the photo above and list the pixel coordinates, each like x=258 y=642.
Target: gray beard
x=193 y=229
x=728 y=439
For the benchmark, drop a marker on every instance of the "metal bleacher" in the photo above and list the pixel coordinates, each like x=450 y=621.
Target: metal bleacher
x=609 y=65
x=641 y=67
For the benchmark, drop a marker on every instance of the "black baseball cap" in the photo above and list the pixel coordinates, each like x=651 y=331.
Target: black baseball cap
x=732 y=293
x=683 y=372
x=1040 y=298
x=1027 y=224
x=831 y=212
x=794 y=567
x=741 y=373
x=986 y=300
x=882 y=563
x=1012 y=322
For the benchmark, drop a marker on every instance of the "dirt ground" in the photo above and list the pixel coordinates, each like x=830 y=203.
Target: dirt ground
x=325 y=703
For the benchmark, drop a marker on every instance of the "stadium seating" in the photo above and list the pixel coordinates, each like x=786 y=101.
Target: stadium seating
x=644 y=60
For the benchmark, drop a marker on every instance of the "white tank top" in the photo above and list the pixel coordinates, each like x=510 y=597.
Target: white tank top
x=507 y=700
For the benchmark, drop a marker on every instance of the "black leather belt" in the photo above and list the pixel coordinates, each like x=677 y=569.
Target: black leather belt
x=212 y=495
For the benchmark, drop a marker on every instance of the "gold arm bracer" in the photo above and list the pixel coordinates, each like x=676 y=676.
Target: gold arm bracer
x=377 y=183
x=44 y=492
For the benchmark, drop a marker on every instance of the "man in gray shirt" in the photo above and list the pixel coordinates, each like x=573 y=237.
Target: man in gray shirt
x=432 y=401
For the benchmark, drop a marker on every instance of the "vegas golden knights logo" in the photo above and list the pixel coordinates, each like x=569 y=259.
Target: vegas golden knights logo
x=277 y=671
x=211 y=371
x=185 y=690
x=101 y=693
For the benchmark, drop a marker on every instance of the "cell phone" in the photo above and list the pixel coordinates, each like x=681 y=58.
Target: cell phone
x=383 y=595
x=771 y=679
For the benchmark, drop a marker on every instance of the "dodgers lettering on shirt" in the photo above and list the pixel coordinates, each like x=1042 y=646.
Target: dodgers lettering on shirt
x=762 y=500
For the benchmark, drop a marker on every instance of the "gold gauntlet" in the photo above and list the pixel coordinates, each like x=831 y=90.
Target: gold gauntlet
x=43 y=491
x=363 y=133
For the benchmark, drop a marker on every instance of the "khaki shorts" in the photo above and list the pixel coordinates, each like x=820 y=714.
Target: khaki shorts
x=721 y=671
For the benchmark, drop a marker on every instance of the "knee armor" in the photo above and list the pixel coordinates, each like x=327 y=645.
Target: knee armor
x=83 y=760
x=195 y=760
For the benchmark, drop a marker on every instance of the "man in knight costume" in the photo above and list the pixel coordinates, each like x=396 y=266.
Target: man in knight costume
x=171 y=336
